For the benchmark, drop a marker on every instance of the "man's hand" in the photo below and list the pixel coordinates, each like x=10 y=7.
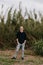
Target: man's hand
x=17 y=41
x=24 y=41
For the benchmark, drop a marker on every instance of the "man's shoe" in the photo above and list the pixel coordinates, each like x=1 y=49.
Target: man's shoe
x=13 y=58
x=22 y=58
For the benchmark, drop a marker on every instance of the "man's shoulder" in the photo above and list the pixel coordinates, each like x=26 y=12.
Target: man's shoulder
x=18 y=32
x=24 y=33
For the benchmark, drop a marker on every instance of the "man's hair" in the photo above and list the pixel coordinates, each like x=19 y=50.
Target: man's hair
x=22 y=26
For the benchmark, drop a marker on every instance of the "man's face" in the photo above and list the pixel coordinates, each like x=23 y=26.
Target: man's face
x=21 y=29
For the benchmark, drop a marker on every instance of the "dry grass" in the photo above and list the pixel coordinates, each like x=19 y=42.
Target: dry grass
x=29 y=59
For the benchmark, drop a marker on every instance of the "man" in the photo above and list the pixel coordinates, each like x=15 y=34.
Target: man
x=21 y=40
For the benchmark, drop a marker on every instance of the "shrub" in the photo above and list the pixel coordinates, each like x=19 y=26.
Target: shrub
x=38 y=47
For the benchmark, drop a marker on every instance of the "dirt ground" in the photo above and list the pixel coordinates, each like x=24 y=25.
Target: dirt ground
x=29 y=59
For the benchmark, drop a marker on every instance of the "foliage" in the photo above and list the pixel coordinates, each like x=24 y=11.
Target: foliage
x=8 y=30
x=38 y=47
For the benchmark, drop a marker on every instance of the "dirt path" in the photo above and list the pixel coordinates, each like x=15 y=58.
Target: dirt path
x=29 y=59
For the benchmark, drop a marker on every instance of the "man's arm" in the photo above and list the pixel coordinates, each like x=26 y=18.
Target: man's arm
x=25 y=41
x=25 y=38
x=17 y=37
x=17 y=40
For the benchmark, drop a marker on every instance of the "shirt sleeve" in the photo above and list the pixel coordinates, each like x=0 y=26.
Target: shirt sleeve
x=17 y=35
x=25 y=36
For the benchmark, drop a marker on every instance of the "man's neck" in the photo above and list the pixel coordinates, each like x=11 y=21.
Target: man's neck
x=21 y=32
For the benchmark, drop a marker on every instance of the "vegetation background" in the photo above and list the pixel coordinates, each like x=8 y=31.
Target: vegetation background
x=33 y=29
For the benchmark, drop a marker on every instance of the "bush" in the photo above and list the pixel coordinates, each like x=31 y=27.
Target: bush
x=9 y=28
x=38 y=47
